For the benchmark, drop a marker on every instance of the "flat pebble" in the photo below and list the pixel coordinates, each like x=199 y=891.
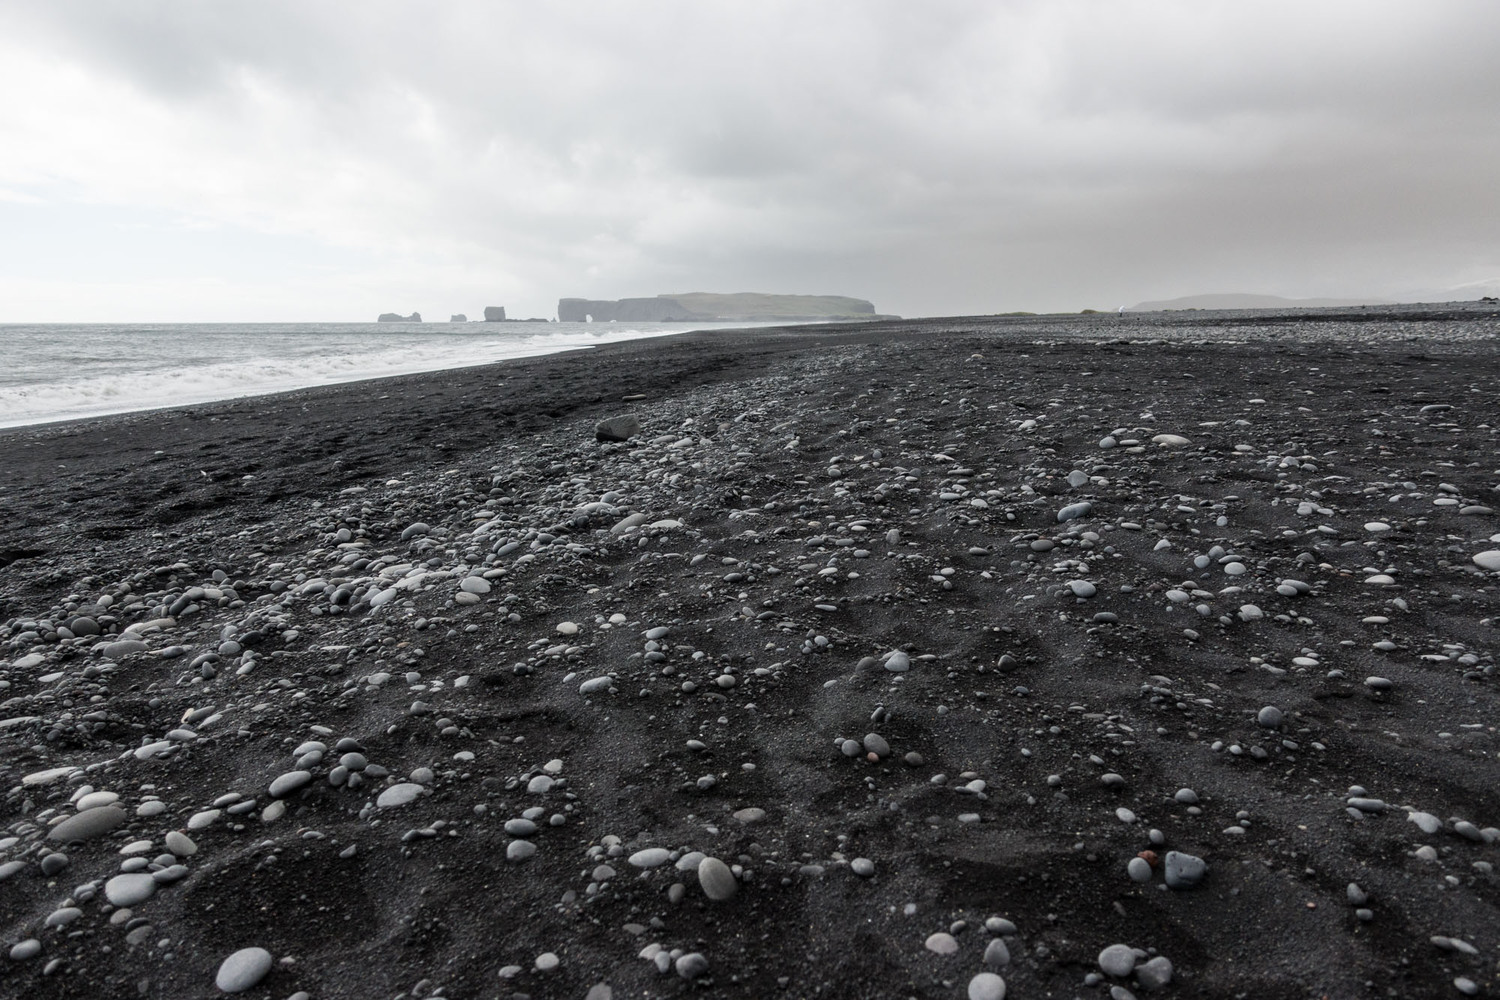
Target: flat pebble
x=399 y=795
x=1488 y=559
x=288 y=783
x=87 y=825
x=130 y=889
x=651 y=857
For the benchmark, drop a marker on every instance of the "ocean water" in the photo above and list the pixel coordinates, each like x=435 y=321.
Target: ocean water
x=59 y=372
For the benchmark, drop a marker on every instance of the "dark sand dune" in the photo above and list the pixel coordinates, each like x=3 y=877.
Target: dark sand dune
x=424 y=691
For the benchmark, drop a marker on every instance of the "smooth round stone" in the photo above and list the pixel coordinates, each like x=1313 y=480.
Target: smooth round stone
x=354 y=761
x=595 y=684
x=876 y=744
x=996 y=953
x=692 y=965
x=288 y=783
x=1250 y=613
x=30 y=948
x=151 y=807
x=690 y=861
x=1155 y=973
x=1073 y=511
x=1082 y=588
x=93 y=800
x=547 y=962
x=37 y=779
x=399 y=795
x=986 y=986
x=898 y=662
x=750 y=814
x=1117 y=960
x=476 y=585
x=942 y=943
x=519 y=850
x=87 y=825
x=1139 y=870
x=1171 y=441
x=168 y=875
x=1235 y=569
x=1489 y=560
x=63 y=916
x=1183 y=871
x=567 y=628
x=539 y=785
x=717 y=880
x=520 y=827
x=863 y=867
x=1270 y=717
x=130 y=890
x=651 y=857
x=204 y=819
x=242 y=970
x=1379 y=683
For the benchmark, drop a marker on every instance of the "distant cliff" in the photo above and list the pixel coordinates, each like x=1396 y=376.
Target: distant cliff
x=398 y=318
x=746 y=307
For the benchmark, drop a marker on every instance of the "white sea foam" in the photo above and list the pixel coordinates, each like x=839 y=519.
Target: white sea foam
x=62 y=373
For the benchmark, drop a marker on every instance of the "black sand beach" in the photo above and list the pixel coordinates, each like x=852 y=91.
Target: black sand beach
x=407 y=681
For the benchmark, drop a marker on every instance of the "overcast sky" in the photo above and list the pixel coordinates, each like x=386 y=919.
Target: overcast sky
x=331 y=160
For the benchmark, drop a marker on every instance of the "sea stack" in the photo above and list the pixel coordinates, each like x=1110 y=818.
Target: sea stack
x=415 y=317
x=494 y=314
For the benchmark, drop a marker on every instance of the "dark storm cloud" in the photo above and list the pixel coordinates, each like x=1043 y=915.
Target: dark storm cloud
x=942 y=158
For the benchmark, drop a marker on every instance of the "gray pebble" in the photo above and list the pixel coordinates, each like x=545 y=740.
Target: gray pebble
x=692 y=965
x=986 y=986
x=87 y=825
x=130 y=889
x=1155 y=973
x=1139 y=869
x=651 y=857
x=243 y=970
x=288 y=783
x=996 y=953
x=1117 y=960
x=717 y=880
x=1183 y=871
x=399 y=795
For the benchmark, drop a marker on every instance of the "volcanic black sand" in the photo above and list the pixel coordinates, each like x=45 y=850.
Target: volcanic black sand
x=420 y=688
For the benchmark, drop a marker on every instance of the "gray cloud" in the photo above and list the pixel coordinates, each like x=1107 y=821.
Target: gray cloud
x=945 y=158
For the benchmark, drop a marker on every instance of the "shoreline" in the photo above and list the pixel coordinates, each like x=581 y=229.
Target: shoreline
x=870 y=613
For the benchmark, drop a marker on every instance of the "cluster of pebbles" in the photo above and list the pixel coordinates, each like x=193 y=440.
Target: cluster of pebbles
x=939 y=662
